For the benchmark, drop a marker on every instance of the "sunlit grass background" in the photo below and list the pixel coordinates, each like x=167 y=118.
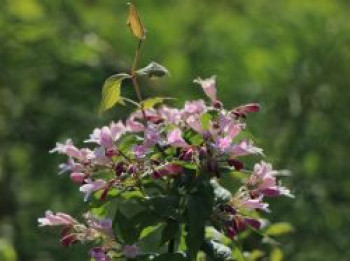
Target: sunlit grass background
x=292 y=56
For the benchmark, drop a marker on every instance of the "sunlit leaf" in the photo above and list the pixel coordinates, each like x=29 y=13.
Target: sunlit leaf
x=276 y=254
x=237 y=254
x=205 y=121
x=111 y=91
x=279 y=229
x=255 y=255
x=150 y=103
x=135 y=24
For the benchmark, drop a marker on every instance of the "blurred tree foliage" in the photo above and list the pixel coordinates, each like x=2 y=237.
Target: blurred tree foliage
x=292 y=56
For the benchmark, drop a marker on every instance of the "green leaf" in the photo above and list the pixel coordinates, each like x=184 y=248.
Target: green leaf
x=150 y=103
x=255 y=255
x=199 y=208
x=164 y=206
x=153 y=70
x=237 y=254
x=205 y=121
x=151 y=238
x=217 y=251
x=125 y=228
x=276 y=254
x=111 y=91
x=171 y=230
x=279 y=229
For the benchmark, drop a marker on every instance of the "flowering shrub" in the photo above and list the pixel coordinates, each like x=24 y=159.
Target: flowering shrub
x=154 y=183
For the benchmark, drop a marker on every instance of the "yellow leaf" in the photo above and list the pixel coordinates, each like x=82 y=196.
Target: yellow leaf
x=111 y=91
x=135 y=24
x=276 y=254
x=279 y=229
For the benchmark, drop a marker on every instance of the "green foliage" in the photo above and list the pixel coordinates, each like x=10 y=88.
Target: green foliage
x=111 y=91
x=199 y=207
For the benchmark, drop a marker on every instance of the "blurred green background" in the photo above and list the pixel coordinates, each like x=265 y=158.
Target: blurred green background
x=292 y=56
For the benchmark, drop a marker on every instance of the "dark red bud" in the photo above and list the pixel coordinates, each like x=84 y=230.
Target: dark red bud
x=119 y=168
x=217 y=104
x=251 y=107
x=239 y=224
x=238 y=165
x=69 y=240
x=253 y=222
x=131 y=169
x=231 y=232
x=156 y=174
x=228 y=208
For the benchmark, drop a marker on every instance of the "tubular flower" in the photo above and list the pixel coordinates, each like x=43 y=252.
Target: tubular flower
x=209 y=87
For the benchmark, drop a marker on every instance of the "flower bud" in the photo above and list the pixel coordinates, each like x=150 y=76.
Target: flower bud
x=217 y=104
x=131 y=169
x=238 y=165
x=119 y=168
x=69 y=240
x=156 y=174
x=77 y=177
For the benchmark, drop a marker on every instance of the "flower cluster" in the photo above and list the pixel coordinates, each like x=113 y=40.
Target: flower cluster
x=171 y=147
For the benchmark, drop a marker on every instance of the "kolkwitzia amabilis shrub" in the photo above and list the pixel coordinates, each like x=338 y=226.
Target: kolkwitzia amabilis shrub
x=156 y=183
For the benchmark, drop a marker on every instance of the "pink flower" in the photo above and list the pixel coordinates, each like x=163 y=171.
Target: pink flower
x=195 y=123
x=175 y=139
x=140 y=151
x=92 y=186
x=131 y=251
x=245 y=147
x=60 y=219
x=106 y=136
x=223 y=144
x=152 y=135
x=170 y=115
x=264 y=182
x=134 y=126
x=229 y=127
x=193 y=107
x=69 y=149
x=209 y=87
x=256 y=203
x=70 y=166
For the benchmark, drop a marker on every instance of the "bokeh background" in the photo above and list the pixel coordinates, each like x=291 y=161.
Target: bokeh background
x=292 y=56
